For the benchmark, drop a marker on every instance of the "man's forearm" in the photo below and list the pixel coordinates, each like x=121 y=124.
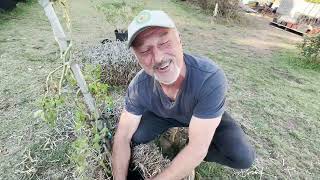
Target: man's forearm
x=120 y=158
x=182 y=164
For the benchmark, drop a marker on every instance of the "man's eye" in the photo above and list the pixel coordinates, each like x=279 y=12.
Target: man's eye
x=145 y=51
x=164 y=43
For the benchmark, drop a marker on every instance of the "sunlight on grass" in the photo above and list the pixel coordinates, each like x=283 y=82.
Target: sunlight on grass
x=263 y=44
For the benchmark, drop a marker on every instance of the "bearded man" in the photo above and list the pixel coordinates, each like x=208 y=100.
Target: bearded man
x=176 y=89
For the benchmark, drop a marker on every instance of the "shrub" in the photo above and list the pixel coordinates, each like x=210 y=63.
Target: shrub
x=226 y=8
x=120 y=13
x=310 y=49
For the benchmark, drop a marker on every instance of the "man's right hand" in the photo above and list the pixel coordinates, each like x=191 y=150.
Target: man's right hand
x=121 y=152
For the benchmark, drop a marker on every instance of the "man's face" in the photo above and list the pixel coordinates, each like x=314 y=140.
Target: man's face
x=159 y=52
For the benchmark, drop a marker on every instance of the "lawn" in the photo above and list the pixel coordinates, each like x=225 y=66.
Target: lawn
x=274 y=98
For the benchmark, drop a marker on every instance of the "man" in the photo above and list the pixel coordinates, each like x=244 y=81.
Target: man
x=176 y=89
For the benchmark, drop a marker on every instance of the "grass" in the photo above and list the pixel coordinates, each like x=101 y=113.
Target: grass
x=280 y=102
x=277 y=105
x=273 y=95
x=44 y=156
x=24 y=51
x=299 y=62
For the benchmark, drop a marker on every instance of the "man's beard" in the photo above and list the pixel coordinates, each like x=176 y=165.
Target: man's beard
x=176 y=71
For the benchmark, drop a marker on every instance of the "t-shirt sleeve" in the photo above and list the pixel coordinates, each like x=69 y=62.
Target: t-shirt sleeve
x=133 y=102
x=211 y=97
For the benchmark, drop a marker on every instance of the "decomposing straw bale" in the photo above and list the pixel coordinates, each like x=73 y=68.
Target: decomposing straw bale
x=148 y=158
x=150 y=161
x=118 y=63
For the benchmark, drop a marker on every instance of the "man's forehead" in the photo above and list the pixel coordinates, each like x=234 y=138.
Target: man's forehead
x=153 y=31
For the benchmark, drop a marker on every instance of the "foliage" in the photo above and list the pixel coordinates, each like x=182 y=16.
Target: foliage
x=50 y=107
x=297 y=61
x=313 y=1
x=120 y=12
x=310 y=49
x=228 y=9
x=88 y=151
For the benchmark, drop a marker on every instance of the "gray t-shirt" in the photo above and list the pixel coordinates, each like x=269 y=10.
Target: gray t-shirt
x=202 y=93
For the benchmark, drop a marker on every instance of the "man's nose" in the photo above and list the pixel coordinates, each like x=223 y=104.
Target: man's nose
x=157 y=55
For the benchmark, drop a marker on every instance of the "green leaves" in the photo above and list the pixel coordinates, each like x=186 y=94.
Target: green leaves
x=80 y=153
x=49 y=110
x=313 y=1
x=120 y=13
x=98 y=89
x=310 y=49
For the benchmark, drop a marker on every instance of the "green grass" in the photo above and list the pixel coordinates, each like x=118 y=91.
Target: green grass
x=24 y=51
x=278 y=103
x=299 y=62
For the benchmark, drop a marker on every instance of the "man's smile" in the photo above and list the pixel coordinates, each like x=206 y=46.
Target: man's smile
x=164 y=67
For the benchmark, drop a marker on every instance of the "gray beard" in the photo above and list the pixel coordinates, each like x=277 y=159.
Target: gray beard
x=176 y=75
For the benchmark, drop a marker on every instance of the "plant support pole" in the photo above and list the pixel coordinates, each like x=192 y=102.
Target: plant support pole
x=57 y=29
x=61 y=38
x=84 y=88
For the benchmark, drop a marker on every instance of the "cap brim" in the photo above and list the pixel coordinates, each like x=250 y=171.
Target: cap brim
x=133 y=37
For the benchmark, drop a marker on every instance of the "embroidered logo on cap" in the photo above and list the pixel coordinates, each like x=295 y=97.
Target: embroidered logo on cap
x=143 y=17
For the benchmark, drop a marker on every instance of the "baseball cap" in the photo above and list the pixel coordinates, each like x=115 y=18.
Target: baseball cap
x=146 y=19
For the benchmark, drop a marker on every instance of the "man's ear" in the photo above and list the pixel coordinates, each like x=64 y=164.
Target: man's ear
x=134 y=53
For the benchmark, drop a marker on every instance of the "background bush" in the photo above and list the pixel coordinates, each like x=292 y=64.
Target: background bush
x=226 y=8
x=310 y=49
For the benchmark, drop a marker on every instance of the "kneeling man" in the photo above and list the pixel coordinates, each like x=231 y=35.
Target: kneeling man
x=176 y=89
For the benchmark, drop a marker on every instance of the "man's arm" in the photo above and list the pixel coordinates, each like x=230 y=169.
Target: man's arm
x=121 y=152
x=201 y=132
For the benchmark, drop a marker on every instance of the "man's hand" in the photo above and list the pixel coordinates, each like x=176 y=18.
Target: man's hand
x=128 y=124
x=201 y=132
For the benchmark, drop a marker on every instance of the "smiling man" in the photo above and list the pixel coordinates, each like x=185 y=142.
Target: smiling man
x=176 y=89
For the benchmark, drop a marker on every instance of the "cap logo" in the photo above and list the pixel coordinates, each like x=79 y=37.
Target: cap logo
x=143 y=17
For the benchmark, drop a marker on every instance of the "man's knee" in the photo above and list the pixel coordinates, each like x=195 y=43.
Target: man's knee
x=237 y=156
x=243 y=157
x=140 y=137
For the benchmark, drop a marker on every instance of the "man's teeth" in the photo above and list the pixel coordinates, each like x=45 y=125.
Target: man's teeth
x=165 y=65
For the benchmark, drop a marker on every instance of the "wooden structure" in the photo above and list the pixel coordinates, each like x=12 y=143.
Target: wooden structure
x=298 y=16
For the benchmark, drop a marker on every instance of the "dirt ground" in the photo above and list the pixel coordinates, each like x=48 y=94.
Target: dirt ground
x=246 y=52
